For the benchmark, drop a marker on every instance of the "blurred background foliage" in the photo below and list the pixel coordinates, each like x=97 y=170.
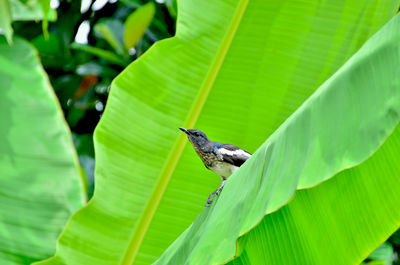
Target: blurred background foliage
x=88 y=44
x=84 y=45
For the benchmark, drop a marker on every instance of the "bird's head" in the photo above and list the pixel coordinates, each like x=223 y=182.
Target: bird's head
x=196 y=137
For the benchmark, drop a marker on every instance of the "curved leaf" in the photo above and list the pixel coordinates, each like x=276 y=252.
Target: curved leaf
x=338 y=222
x=111 y=30
x=32 y=10
x=101 y=53
x=137 y=23
x=5 y=20
x=40 y=181
x=45 y=4
x=340 y=126
x=15 y=10
x=383 y=253
x=237 y=71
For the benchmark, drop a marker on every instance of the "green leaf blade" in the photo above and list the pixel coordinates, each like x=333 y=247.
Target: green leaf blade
x=240 y=93
x=111 y=30
x=137 y=23
x=321 y=139
x=41 y=182
x=31 y=11
x=349 y=209
x=5 y=20
x=102 y=53
x=45 y=4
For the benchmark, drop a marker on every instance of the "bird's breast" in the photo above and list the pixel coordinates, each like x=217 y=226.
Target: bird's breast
x=208 y=158
x=223 y=169
x=216 y=164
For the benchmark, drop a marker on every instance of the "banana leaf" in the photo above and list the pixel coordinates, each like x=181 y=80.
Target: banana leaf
x=235 y=70
x=40 y=179
x=348 y=129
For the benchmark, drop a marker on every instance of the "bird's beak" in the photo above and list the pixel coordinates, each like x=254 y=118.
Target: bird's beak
x=184 y=130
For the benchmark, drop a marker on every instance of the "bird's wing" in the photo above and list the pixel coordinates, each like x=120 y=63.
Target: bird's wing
x=233 y=154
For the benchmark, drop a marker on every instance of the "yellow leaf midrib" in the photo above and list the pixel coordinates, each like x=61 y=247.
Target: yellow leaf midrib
x=145 y=219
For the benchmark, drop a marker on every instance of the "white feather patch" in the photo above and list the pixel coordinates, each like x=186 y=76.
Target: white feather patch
x=238 y=152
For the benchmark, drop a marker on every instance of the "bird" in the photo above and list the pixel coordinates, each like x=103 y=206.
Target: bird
x=222 y=159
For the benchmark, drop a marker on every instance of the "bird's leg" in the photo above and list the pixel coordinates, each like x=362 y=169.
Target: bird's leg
x=220 y=187
x=216 y=192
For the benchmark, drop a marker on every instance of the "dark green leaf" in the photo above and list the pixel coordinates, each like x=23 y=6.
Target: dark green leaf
x=105 y=54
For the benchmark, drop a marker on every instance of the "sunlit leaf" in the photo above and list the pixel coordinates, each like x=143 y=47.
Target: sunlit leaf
x=236 y=70
x=5 y=20
x=347 y=130
x=172 y=7
x=22 y=12
x=137 y=23
x=45 y=4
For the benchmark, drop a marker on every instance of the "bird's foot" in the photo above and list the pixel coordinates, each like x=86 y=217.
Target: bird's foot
x=215 y=193
x=210 y=198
